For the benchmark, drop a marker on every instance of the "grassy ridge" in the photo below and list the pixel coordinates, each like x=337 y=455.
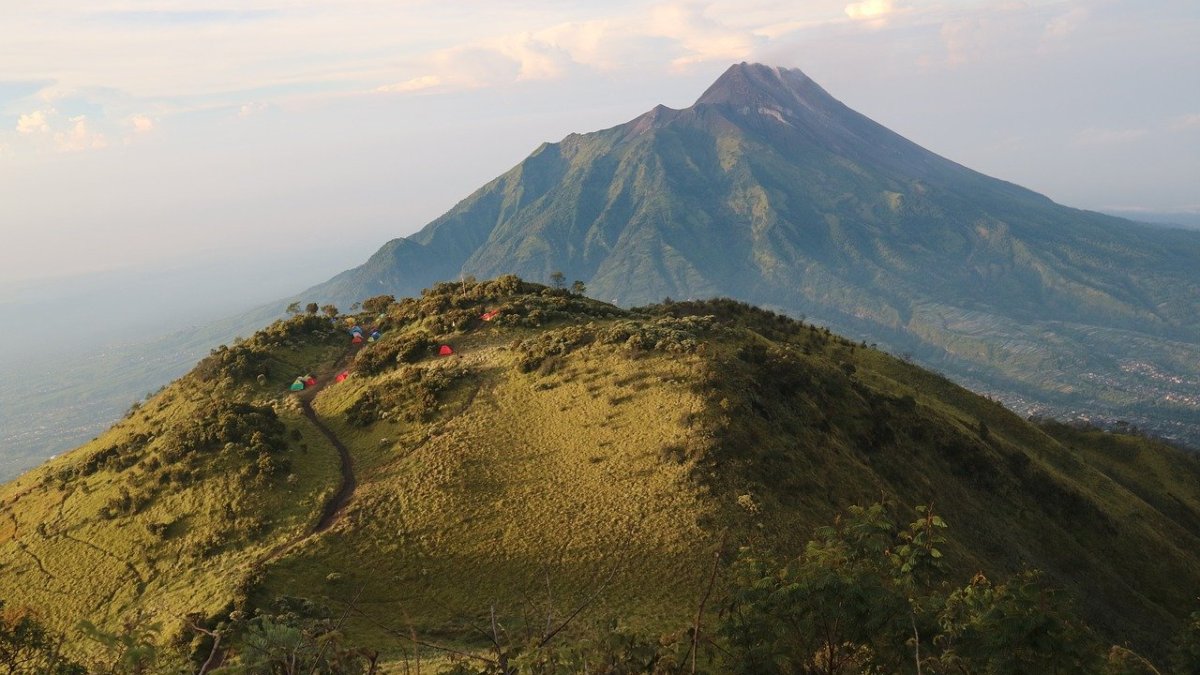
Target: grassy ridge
x=571 y=447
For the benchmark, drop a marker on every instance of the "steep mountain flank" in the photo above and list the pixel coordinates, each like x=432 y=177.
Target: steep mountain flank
x=771 y=191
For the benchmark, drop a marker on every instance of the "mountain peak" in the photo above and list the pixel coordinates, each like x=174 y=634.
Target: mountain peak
x=747 y=83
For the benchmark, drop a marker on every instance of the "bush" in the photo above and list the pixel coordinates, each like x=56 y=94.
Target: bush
x=413 y=395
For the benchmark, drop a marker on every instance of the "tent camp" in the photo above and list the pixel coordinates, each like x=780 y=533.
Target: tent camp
x=309 y=381
x=375 y=335
x=341 y=377
x=357 y=339
x=445 y=350
x=488 y=316
x=298 y=385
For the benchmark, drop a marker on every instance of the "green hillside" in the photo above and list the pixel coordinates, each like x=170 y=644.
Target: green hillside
x=568 y=454
x=771 y=191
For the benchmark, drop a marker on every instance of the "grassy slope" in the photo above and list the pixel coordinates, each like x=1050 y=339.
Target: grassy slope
x=61 y=556
x=569 y=439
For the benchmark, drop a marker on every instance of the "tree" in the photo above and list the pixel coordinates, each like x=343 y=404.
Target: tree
x=1185 y=655
x=558 y=279
x=27 y=647
x=1014 y=627
x=863 y=597
x=132 y=650
x=835 y=609
x=311 y=308
x=293 y=308
x=330 y=311
x=578 y=287
x=301 y=637
x=378 y=304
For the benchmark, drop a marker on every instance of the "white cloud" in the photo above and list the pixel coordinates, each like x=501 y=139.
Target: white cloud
x=869 y=10
x=141 y=123
x=1098 y=136
x=415 y=84
x=250 y=109
x=699 y=37
x=79 y=136
x=1065 y=24
x=1186 y=122
x=33 y=123
x=964 y=39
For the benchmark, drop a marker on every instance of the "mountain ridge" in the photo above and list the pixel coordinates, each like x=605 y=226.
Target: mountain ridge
x=561 y=436
x=769 y=190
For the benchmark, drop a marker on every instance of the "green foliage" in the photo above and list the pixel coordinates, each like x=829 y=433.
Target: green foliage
x=1185 y=651
x=297 y=636
x=384 y=356
x=836 y=608
x=240 y=362
x=131 y=650
x=665 y=334
x=231 y=425
x=378 y=304
x=26 y=647
x=1012 y=628
x=250 y=359
x=413 y=394
x=312 y=308
x=865 y=597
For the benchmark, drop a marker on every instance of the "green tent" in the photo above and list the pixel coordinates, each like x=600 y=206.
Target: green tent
x=298 y=385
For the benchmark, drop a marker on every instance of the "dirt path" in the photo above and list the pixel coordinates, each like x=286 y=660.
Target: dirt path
x=333 y=508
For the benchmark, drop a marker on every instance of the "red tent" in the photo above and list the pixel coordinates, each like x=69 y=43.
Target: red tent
x=341 y=377
x=445 y=350
x=311 y=381
x=357 y=339
x=488 y=316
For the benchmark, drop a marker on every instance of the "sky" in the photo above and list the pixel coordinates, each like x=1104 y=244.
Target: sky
x=151 y=133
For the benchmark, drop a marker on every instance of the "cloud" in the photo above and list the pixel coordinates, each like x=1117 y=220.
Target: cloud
x=699 y=37
x=1065 y=24
x=1186 y=122
x=415 y=84
x=33 y=123
x=79 y=136
x=1097 y=136
x=253 y=108
x=869 y=10
x=141 y=123
x=964 y=39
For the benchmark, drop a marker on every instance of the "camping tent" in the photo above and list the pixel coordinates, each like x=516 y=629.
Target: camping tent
x=357 y=339
x=341 y=377
x=310 y=381
x=375 y=335
x=298 y=385
x=445 y=350
x=488 y=316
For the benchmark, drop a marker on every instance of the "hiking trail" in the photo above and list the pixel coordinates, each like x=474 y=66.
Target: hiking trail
x=331 y=512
